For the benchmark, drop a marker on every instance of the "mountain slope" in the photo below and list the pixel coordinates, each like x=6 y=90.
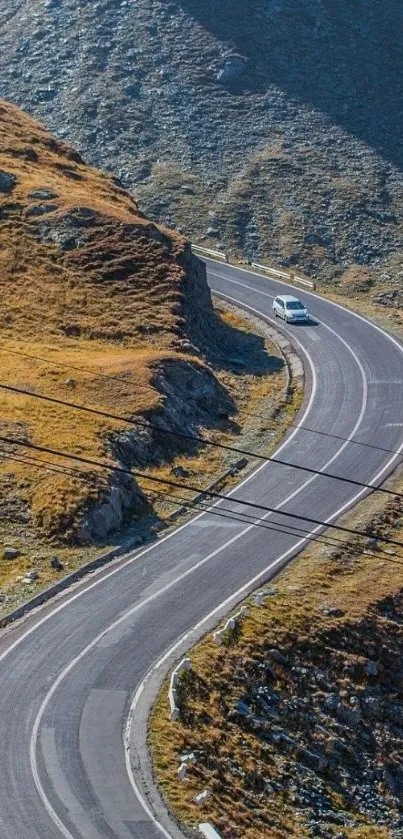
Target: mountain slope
x=103 y=309
x=276 y=131
x=87 y=282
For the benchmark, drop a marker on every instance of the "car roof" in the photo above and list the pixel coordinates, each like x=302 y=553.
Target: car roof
x=288 y=298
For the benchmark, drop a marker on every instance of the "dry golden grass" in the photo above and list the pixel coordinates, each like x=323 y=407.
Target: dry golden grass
x=112 y=305
x=55 y=499
x=87 y=281
x=124 y=271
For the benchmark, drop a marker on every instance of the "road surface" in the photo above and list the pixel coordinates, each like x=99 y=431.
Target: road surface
x=68 y=672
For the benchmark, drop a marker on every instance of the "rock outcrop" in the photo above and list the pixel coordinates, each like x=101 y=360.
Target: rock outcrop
x=275 y=129
x=100 y=307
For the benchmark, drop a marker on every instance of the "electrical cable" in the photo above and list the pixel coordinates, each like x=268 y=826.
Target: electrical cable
x=195 y=439
x=195 y=489
x=222 y=512
x=139 y=386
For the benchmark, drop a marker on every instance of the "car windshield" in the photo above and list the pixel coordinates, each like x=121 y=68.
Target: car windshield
x=295 y=304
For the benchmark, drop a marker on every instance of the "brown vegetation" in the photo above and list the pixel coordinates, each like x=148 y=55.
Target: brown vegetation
x=298 y=716
x=100 y=307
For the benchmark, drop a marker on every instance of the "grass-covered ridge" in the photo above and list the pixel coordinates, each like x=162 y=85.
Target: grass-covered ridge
x=103 y=308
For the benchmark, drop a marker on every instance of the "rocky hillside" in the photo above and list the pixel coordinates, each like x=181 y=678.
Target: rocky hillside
x=275 y=132
x=298 y=715
x=102 y=308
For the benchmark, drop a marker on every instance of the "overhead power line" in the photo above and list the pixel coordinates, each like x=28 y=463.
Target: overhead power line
x=138 y=386
x=195 y=489
x=196 y=439
x=204 y=506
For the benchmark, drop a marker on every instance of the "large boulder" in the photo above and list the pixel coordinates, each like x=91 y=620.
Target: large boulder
x=233 y=69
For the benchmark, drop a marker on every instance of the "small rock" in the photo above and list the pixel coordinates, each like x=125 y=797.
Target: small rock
x=182 y=772
x=242 y=708
x=332 y=702
x=372 y=703
x=371 y=668
x=278 y=656
x=188 y=758
x=32 y=575
x=233 y=68
x=271 y=591
x=43 y=194
x=348 y=715
x=41 y=209
x=7 y=182
x=202 y=797
x=333 y=611
x=56 y=564
x=311 y=759
x=180 y=472
x=371 y=544
x=11 y=553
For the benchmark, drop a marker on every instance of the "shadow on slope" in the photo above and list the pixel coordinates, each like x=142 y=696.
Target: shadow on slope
x=345 y=60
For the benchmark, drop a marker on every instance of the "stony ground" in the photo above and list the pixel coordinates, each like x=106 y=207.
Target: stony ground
x=298 y=715
x=276 y=132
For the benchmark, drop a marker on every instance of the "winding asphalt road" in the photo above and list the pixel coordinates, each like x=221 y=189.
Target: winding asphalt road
x=68 y=672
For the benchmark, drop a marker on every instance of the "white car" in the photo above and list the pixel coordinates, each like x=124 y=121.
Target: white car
x=290 y=309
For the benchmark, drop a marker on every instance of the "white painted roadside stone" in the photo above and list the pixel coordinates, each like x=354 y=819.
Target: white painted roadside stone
x=182 y=771
x=184 y=665
x=202 y=797
x=230 y=624
x=208 y=831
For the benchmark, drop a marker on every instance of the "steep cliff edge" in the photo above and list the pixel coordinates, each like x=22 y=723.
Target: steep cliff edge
x=103 y=309
x=87 y=282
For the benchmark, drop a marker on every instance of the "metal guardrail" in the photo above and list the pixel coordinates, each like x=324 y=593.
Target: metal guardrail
x=208 y=252
x=293 y=278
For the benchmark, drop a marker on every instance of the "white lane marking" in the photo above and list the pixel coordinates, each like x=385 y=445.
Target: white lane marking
x=394 y=425
x=223 y=607
x=310 y=294
x=156 y=545
x=129 y=769
x=129 y=561
x=71 y=803
x=180 y=578
x=34 y=737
